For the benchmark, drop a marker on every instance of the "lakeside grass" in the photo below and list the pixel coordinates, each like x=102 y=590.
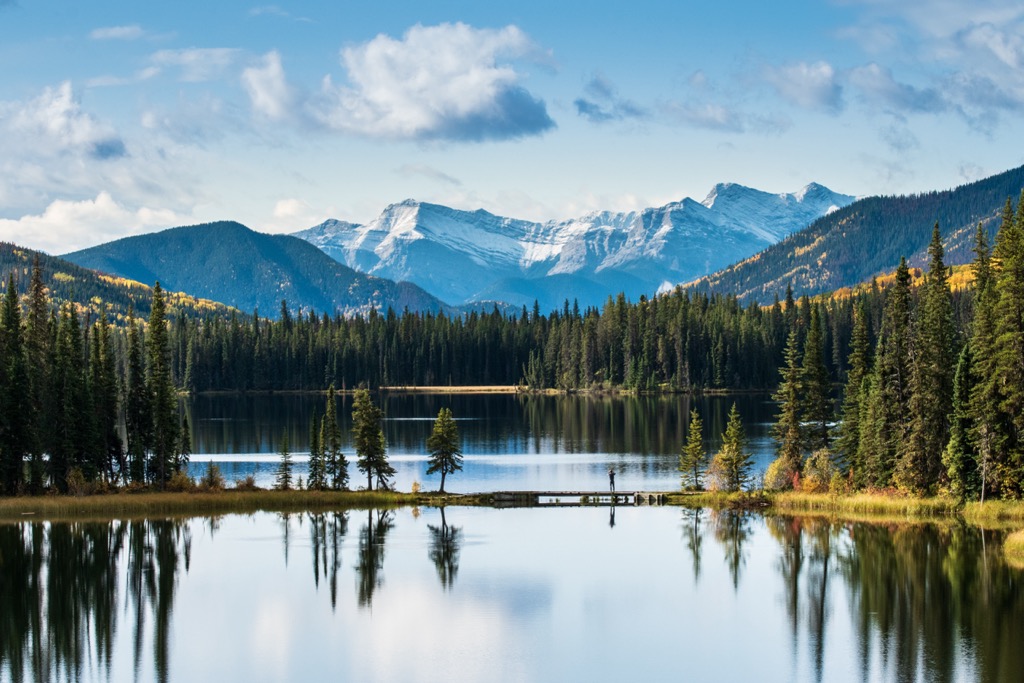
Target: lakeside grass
x=152 y=503
x=1013 y=549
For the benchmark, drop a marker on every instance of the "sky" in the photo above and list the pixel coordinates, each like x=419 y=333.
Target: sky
x=120 y=118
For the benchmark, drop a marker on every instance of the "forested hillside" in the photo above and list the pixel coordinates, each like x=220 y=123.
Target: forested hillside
x=229 y=262
x=866 y=238
x=90 y=291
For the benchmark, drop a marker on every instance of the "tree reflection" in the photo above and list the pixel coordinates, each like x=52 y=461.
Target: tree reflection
x=693 y=532
x=327 y=531
x=732 y=529
x=445 y=546
x=929 y=602
x=371 y=553
x=60 y=586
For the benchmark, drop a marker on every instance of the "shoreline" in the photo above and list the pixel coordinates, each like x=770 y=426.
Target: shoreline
x=860 y=506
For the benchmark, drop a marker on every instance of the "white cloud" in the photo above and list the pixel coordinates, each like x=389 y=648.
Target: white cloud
x=812 y=86
x=427 y=171
x=197 y=64
x=70 y=225
x=446 y=82
x=878 y=85
x=55 y=123
x=269 y=92
x=133 y=32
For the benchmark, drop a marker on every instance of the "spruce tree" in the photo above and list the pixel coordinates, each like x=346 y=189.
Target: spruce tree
x=693 y=458
x=787 y=430
x=106 y=403
x=335 y=463
x=39 y=352
x=959 y=458
x=138 y=417
x=1008 y=350
x=817 y=386
x=988 y=427
x=848 y=438
x=931 y=390
x=283 y=481
x=444 y=447
x=184 y=445
x=316 y=478
x=16 y=418
x=368 y=439
x=164 y=403
x=732 y=463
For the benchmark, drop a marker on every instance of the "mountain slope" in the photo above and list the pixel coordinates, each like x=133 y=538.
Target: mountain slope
x=249 y=270
x=866 y=238
x=67 y=281
x=463 y=256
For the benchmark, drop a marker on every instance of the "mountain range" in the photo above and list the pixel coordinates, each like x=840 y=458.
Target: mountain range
x=867 y=238
x=248 y=270
x=465 y=257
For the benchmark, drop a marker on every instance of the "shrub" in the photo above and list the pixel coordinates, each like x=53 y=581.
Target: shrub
x=818 y=472
x=77 y=485
x=180 y=482
x=779 y=475
x=212 y=479
x=246 y=484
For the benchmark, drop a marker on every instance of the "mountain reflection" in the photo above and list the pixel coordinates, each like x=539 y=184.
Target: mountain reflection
x=62 y=589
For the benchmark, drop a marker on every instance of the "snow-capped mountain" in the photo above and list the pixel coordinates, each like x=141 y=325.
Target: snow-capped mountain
x=463 y=257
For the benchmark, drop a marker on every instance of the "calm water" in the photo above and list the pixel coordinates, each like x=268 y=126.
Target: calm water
x=507 y=595
x=510 y=442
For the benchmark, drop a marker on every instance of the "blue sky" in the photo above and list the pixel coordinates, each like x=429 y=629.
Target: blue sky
x=118 y=118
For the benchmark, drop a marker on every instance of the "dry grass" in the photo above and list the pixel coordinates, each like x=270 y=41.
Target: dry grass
x=1013 y=549
x=227 y=501
x=995 y=513
x=866 y=504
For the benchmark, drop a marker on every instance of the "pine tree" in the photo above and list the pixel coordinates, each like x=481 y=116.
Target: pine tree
x=731 y=465
x=1008 y=356
x=335 y=463
x=69 y=436
x=693 y=458
x=283 y=482
x=164 y=404
x=105 y=402
x=932 y=370
x=138 y=417
x=787 y=430
x=16 y=431
x=184 y=445
x=316 y=479
x=444 y=447
x=959 y=457
x=848 y=438
x=817 y=386
x=368 y=439
x=988 y=428
x=39 y=352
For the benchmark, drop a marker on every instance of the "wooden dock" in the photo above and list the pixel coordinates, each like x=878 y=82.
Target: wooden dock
x=576 y=498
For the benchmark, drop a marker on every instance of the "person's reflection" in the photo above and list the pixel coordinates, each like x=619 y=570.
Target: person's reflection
x=611 y=515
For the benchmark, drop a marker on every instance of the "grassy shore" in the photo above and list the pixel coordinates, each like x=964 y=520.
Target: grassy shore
x=218 y=502
x=1013 y=547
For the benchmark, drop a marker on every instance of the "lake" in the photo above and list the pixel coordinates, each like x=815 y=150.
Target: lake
x=530 y=595
x=510 y=442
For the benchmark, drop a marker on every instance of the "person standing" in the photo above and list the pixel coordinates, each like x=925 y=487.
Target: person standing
x=611 y=478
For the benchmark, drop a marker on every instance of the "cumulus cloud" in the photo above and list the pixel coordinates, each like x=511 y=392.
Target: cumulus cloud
x=268 y=89
x=55 y=121
x=197 y=64
x=446 y=82
x=601 y=103
x=808 y=85
x=66 y=226
x=132 y=32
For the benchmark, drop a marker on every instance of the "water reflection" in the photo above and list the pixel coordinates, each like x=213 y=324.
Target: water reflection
x=541 y=590
x=445 y=546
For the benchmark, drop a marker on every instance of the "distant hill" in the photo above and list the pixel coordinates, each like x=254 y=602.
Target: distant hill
x=88 y=289
x=249 y=270
x=866 y=238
